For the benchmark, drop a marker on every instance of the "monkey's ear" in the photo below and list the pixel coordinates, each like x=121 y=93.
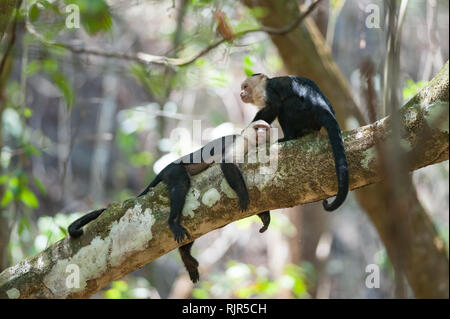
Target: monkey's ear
x=259 y=75
x=262 y=76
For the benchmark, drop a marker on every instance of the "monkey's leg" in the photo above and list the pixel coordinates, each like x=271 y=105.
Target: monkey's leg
x=189 y=262
x=265 y=218
x=178 y=182
x=234 y=177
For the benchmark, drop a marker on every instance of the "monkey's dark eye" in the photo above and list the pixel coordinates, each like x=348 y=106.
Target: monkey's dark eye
x=245 y=86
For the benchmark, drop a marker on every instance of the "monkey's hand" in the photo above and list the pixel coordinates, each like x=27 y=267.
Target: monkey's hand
x=193 y=274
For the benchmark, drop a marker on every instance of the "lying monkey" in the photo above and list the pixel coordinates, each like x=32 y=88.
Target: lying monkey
x=177 y=175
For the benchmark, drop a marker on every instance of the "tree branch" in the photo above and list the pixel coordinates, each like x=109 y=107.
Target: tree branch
x=145 y=58
x=12 y=40
x=130 y=234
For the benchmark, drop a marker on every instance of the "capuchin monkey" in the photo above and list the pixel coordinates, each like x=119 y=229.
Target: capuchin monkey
x=177 y=175
x=301 y=109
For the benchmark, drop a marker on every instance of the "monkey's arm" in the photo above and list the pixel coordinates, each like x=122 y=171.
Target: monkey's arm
x=270 y=111
x=153 y=183
x=235 y=179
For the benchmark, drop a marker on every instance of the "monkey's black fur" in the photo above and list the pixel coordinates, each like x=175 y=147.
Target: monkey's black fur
x=75 y=228
x=176 y=175
x=302 y=108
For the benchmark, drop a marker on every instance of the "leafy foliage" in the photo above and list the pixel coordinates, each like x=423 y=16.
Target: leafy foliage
x=412 y=88
x=247 y=281
x=95 y=15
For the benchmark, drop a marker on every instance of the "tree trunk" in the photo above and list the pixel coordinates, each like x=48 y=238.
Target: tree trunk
x=6 y=11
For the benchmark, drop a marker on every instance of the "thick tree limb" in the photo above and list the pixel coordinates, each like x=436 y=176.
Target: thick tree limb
x=133 y=233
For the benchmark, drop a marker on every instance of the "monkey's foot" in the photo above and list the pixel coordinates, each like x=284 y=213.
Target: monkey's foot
x=265 y=218
x=243 y=204
x=179 y=232
x=194 y=275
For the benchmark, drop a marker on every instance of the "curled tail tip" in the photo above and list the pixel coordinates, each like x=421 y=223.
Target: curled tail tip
x=328 y=207
x=334 y=204
x=75 y=232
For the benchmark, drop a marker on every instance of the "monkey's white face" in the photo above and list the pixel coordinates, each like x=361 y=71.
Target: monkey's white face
x=257 y=132
x=253 y=90
x=246 y=92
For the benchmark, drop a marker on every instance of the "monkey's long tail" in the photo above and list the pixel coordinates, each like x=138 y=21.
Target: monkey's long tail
x=75 y=228
x=340 y=160
x=154 y=182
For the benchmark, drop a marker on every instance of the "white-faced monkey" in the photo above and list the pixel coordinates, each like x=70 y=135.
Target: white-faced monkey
x=301 y=109
x=177 y=175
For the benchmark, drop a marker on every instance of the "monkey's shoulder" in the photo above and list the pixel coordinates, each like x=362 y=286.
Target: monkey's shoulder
x=283 y=81
x=300 y=92
x=289 y=86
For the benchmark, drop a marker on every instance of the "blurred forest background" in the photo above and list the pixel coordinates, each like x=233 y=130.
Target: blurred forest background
x=86 y=121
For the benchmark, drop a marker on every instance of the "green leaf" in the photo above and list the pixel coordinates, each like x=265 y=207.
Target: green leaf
x=200 y=3
x=40 y=185
x=8 y=196
x=27 y=112
x=24 y=223
x=113 y=294
x=199 y=293
x=4 y=178
x=95 y=15
x=248 y=65
x=141 y=159
x=199 y=62
x=50 y=66
x=259 y=12
x=154 y=82
x=28 y=198
x=120 y=285
x=65 y=87
x=63 y=230
x=14 y=185
x=34 y=12
x=126 y=142
x=412 y=88
x=30 y=149
x=32 y=68
x=48 y=5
